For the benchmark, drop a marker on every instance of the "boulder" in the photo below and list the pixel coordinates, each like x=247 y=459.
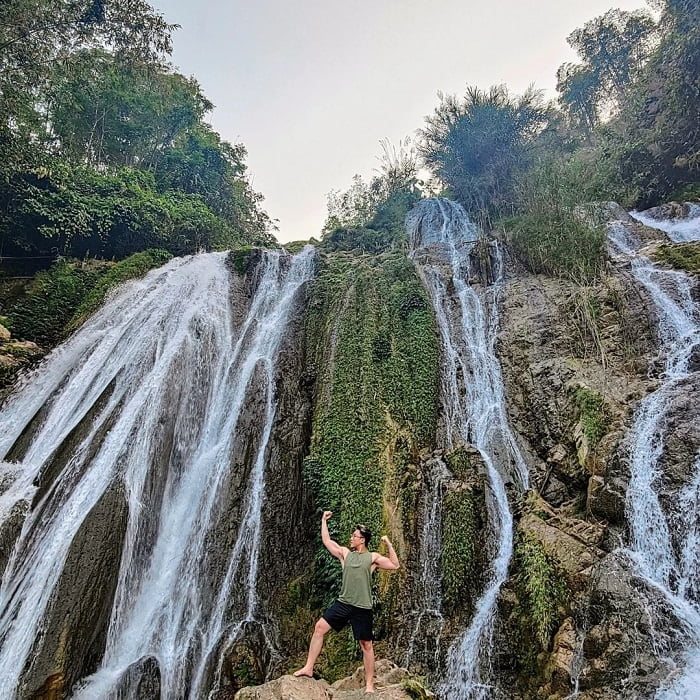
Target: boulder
x=571 y=543
x=389 y=682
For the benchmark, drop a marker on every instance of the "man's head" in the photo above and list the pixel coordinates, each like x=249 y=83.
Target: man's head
x=361 y=535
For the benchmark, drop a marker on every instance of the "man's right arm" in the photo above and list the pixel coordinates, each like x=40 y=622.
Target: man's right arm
x=333 y=547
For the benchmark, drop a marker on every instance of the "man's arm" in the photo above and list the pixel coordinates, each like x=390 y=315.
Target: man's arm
x=333 y=547
x=389 y=563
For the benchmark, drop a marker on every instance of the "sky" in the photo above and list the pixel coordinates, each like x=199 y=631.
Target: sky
x=310 y=87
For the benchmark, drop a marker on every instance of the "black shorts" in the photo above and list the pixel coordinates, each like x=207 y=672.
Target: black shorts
x=360 y=619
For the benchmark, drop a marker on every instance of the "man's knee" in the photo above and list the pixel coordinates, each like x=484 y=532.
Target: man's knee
x=321 y=627
x=366 y=645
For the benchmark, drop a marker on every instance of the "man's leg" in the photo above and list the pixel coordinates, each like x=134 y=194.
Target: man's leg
x=368 y=660
x=314 y=648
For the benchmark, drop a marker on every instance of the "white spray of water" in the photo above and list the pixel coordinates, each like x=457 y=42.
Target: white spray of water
x=684 y=228
x=163 y=346
x=441 y=237
x=672 y=569
x=429 y=619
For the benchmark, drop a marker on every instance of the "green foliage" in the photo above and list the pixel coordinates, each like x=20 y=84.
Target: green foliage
x=540 y=590
x=592 y=414
x=38 y=36
x=51 y=301
x=135 y=265
x=548 y=234
x=106 y=112
x=79 y=212
x=415 y=687
x=477 y=145
x=103 y=148
x=460 y=463
x=461 y=544
x=653 y=142
x=681 y=256
x=373 y=335
x=239 y=259
x=556 y=245
x=614 y=48
x=60 y=298
x=370 y=217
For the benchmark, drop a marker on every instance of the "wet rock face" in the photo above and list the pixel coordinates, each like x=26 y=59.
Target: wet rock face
x=79 y=614
x=625 y=617
x=682 y=441
x=560 y=344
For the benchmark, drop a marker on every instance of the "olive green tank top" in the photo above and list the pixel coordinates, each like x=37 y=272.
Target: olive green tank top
x=357 y=580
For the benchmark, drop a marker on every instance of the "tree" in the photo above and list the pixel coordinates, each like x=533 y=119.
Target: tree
x=105 y=112
x=38 y=35
x=476 y=145
x=614 y=48
x=655 y=142
x=579 y=95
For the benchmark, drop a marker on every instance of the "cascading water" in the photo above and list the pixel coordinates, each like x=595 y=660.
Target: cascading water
x=472 y=395
x=665 y=533
x=160 y=379
x=429 y=621
x=680 y=229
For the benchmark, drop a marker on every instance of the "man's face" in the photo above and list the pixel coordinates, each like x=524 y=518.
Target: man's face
x=356 y=539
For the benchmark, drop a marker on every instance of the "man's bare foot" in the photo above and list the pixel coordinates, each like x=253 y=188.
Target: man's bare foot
x=304 y=673
x=369 y=690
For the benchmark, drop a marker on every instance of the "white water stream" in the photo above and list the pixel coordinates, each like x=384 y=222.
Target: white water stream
x=665 y=535
x=429 y=621
x=472 y=395
x=163 y=346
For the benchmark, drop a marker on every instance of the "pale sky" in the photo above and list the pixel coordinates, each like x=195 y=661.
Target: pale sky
x=311 y=86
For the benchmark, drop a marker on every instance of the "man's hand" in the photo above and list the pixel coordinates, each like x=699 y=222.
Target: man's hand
x=390 y=562
x=326 y=514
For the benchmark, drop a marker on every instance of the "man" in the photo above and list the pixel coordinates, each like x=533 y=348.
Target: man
x=354 y=605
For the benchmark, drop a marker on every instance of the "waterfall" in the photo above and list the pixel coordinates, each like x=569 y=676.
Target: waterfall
x=160 y=379
x=665 y=535
x=472 y=395
x=429 y=622
x=680 y=229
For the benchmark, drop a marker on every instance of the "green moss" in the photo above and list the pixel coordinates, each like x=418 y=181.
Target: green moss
x=294 y=247
x=681 y=256
x=415 y=687
x=239 y=259
x=50 y=302
x=340 y=656
x=373 y=341
x=460 y=463
x=541 y=590
x=592 y=414
x=461 y=540
x=61 y=298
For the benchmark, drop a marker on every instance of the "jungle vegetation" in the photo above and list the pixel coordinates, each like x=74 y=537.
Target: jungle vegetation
x=625 y=127
x=104 y=148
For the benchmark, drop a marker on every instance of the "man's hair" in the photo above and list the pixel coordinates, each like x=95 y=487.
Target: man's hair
x=365 y=532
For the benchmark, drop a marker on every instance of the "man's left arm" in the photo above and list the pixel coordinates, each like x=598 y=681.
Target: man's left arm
x=388 y=563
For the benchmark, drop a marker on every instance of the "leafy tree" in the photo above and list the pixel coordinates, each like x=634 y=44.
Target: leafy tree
x=580 y=95
x=614 y=48
x=477 y=145
x=199 y=162
x=105 y=112
x=370 y=216
x=36 y=35
x=654 y=144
